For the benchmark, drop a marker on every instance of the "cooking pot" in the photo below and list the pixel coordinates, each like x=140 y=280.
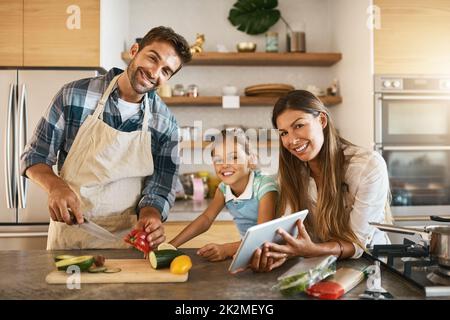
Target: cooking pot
x=436 y=237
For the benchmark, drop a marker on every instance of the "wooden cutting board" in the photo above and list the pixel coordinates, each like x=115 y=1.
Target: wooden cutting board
x=133 y=271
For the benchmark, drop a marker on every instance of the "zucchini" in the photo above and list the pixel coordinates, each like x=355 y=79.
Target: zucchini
x=166 y=246
x=112 y=270
x=162 y=258
x=83 y=262
x=63 y=257
x=95 y=269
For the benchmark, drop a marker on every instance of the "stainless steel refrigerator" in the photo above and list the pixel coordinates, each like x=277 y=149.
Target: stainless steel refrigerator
x=25 y=95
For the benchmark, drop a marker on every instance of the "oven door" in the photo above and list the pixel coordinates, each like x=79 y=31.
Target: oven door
x=419 y=179
x=407 y=119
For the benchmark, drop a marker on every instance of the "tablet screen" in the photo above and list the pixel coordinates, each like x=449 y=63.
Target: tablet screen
x=264 y=232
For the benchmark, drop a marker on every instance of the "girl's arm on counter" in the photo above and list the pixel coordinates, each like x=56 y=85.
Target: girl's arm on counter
x=203 y=222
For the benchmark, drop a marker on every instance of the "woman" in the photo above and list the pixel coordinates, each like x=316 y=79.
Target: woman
x=343 y=186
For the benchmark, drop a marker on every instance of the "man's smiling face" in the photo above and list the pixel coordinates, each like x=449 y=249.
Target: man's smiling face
x=153 y=66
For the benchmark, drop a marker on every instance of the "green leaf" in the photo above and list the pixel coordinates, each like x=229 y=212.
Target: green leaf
x=254 y=16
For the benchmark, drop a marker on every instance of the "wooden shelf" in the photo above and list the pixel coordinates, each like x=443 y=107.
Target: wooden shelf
x=318 y=59
x=245 y=101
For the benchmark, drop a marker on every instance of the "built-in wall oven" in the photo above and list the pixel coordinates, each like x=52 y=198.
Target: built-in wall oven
x=412 y=132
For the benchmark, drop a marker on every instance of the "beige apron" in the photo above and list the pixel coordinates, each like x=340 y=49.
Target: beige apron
x=106 y=168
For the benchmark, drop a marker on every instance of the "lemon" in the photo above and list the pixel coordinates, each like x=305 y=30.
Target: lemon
x=181 y=264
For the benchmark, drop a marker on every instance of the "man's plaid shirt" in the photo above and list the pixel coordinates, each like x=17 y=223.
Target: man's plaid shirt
x=57 y=129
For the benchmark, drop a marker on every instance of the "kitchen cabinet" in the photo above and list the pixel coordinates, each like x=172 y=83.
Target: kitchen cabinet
x=50 y=33
x=61 y=33
x=220 y=232
x=11 y=32
x=413 y=37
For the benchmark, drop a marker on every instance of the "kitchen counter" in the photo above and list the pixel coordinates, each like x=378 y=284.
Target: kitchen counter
x=23 y=277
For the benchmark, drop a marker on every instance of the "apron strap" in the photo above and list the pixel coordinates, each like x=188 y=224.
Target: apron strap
x=101 y=104
x=146 y=114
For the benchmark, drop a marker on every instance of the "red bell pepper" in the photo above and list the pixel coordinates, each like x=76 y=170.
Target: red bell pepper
x=138 y=239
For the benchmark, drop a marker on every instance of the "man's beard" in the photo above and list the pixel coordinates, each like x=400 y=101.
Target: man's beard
x=132 y=75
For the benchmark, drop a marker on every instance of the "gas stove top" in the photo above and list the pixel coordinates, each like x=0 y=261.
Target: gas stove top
x=413 y=262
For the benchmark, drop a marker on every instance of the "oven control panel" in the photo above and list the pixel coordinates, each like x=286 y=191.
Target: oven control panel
x=412 y=84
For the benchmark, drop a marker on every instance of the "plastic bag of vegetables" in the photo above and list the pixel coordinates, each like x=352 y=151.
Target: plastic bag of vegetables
x=306 y=273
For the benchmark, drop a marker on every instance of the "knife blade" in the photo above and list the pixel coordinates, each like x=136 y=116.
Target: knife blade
x=95 y=230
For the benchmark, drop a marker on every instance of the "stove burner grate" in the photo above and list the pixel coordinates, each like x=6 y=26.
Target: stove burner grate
x=408 y=249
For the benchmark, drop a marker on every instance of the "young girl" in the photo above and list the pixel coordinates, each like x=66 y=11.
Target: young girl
x=249 y=196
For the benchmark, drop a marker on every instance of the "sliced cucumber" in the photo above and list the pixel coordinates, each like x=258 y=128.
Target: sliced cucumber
x=166 y=246
x=83 y=262
x=63 y=257
x=96 y=269
x=112 y=270
x=162 y=258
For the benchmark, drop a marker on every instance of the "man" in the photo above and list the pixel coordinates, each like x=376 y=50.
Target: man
x=113 y=139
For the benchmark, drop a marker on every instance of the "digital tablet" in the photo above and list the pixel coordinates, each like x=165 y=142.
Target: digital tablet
x=264 y=232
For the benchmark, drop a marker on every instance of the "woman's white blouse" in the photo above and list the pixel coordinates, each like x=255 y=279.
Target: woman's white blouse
x=368 y=183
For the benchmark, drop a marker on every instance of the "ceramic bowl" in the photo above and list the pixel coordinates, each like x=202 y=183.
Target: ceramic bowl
x=246 y=47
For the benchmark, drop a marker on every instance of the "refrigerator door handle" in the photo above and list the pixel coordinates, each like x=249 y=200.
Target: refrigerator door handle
x=378 y=118
x=22 y=182
x=9 y=134
x=23 y=234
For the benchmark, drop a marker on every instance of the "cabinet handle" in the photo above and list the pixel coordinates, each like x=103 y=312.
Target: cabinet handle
x=414 y=97
x=416 y=148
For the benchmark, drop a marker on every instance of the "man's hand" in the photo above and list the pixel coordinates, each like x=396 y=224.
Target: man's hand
x=62 y=202
x=150 y=222
x=61 y=198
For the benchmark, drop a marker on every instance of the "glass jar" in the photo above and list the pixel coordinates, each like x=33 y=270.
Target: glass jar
x=192 y=91
x=178 y=90
x=272 y=42
x=165 y=90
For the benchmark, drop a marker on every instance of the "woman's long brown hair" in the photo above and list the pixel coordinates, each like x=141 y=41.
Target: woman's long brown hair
x=330 y=219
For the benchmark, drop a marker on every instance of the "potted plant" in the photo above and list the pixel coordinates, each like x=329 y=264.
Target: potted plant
x=255 y=16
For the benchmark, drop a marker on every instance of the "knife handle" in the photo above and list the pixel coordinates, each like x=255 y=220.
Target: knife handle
x=73 y=218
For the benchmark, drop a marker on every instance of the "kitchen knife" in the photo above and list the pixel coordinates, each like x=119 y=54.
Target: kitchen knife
x=95 y=230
